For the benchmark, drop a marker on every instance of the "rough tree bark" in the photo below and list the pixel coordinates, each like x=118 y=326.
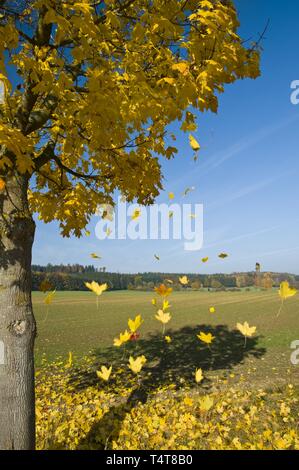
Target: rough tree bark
x=17 y=324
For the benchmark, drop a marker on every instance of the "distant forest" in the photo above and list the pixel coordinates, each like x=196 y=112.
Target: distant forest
x=73 y=277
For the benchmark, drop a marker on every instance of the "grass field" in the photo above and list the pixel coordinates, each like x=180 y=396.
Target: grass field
x=73 y=323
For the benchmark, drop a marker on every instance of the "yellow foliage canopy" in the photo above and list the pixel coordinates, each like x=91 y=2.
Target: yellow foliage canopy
x=98 y=87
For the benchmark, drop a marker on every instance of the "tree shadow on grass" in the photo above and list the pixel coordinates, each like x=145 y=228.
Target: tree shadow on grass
x=167 y=363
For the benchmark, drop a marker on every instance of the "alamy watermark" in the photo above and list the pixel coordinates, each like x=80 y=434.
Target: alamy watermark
x=157 y=222
x=295 y=92
x=1 y=353
x=2 y=92
x=295 y=353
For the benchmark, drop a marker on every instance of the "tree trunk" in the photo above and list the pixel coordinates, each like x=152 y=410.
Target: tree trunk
x=17 y=324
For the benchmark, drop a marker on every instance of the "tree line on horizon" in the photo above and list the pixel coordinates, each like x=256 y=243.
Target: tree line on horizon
x=71 y=277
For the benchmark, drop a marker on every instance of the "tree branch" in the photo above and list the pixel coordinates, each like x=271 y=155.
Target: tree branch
x=46 y=155
x=76 y=173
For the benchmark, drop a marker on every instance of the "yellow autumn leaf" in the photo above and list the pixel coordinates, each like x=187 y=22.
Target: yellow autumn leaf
x=84 y=7
x=136 y=364
x=212 y=309
x=193 y=143
x=45 y=286
x=104 y=373
x=205 y=337
x=2 y=185
x=167 y=339
x=163 y=290
x=188 y=401
x=98 y=289
x=95 y=256
x=198 y=375
x=49 y=297
x=136 y=214
x=163 y=317
x=246 y=330
x=204 y=260
x=285 y=291
x=169 y=80
x=184 y=280
x=123 y=338
x=69 y=362
x=182 y=67
x=135 y=324
x=171 y=196
x=206 y=403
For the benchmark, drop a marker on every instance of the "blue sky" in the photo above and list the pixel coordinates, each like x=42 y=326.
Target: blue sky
x=246 y=176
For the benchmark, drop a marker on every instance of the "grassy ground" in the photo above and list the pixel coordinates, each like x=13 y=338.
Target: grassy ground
x=73 y=323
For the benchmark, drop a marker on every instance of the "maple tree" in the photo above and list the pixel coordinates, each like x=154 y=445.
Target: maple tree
x=90 y=88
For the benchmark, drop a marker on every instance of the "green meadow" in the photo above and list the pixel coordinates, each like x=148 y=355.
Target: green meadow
x=74 y=323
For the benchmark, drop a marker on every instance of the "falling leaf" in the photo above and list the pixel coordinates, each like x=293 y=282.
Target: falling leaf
x=163 y=317
x=246 y=330
x=169 y=281
x=223 y=255
x=157 y=257
x=188 y=190
x=95 y=256
x=204 y=260
x=198 y=375
x=69 y=361
x=167 y=339
x=285 y=291
x=104 y=373
x=154 y=302
x=98 y=289
x=135 y=324
x=106 y=211
x=193 y=143
x=136 y=364
x=166 y=305
x=170 y=214
x=123 y=338
x=45 y=286
x=163 y=290
x=171 y=196
x=212 y=309
x=49 y=297
x=136 y=214
x=205 y=337
x=184 y=280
